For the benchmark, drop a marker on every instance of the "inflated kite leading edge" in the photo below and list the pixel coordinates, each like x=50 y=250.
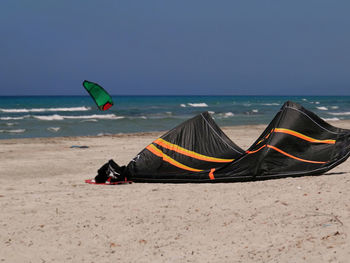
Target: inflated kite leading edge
x=296 y=142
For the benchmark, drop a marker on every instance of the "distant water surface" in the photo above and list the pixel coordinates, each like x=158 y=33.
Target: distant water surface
x=52 y=116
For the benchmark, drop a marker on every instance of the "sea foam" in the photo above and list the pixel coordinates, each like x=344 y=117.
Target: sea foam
x=45 y=109
x=57 y=117
x=271 y=104
x=331 y=119
x=198 y=105
x=11 y=123
x=13 y=131
x=228 y=114
x=53 y=129
x=339 y=113
x=225 y=115
x=322 y=108
x=13 y=118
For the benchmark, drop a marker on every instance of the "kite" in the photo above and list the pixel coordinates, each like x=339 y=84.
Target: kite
x=102 y=99
x=296 y=143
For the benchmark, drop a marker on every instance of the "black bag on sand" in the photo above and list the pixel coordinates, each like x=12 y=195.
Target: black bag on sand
x=110 y=172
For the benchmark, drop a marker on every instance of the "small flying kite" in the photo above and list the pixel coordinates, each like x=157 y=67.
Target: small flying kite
x=102 y=99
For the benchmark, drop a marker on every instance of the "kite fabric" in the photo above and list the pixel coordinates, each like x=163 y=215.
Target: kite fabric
x=296 y=143
x=102 y=99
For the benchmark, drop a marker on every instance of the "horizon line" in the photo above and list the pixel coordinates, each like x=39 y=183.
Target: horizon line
x=183 y=95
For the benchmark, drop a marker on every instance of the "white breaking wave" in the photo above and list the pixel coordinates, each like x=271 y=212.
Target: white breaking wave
x=54 y=129
x=331 y=119
x=225 y=115
x=322 y=108
x=339 y=113
x=199 y=105
x=255 y=111
x=57 y=117
x=45 y=109
x=270 y=104
x=11 y=123
x=13 y=131
x=13 y=118
x=104 y=134
x=228 y=114
x=89 y=120
x=183 y=105
x=50 y=118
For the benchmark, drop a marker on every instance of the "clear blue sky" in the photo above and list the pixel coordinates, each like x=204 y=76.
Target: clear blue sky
x=177 y=47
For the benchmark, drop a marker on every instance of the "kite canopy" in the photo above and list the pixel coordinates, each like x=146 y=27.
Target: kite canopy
x=295 y=143
x=102 y=99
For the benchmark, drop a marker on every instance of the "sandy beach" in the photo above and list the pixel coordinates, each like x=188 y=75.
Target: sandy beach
x=49 y=214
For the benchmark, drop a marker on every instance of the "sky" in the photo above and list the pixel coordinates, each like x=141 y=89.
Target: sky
x=160 y=47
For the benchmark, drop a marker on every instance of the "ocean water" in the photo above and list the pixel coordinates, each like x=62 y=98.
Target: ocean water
x=28 y=117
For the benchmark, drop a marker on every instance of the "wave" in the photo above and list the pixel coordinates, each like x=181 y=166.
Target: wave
x=104 y=134
x=54 y=129
x=13 y=118
x=331 y=119
x=322 y=108
x=50 y=118
x=339 y=113
x=334 y=107
x=89 y=120
x=11 y=123
x=198 y=105
x=13 y=131
x=45 y=109
x=271 y=104
x=224 y=115
x=57 y=117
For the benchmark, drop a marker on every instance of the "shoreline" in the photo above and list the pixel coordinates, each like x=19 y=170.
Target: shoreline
x=345 y=124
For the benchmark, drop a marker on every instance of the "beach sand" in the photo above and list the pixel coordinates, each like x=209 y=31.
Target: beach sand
x=48 y=213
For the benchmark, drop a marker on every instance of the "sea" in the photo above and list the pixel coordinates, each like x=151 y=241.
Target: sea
x=57 y=116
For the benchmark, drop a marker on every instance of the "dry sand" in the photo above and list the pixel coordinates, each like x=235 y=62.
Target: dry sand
x=48 y=213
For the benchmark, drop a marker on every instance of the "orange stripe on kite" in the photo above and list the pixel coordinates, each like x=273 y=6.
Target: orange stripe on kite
x=266 y=137
x=284 y=153
x=211 y=174
x=179 y=149
x=302 y=136
x=168 y=159
x=155 y=150
x=291 y=156
x=250 y=152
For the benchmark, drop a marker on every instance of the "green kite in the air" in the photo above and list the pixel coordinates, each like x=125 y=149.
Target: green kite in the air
x=102 y=99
